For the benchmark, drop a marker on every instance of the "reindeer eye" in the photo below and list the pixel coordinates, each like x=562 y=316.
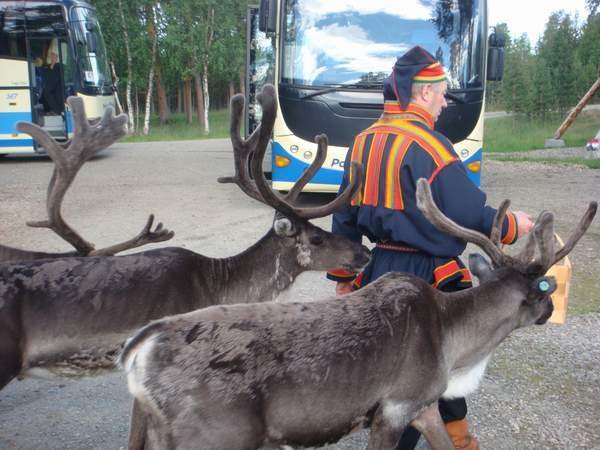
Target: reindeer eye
x=316 y=240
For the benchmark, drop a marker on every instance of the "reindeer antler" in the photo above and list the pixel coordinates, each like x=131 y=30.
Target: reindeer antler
x=255 y=147
x=88 y=139
x=543 y=233
x=430 y=210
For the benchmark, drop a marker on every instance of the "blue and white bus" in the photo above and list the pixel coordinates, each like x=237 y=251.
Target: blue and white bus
x=49 y=50
x=328 y=60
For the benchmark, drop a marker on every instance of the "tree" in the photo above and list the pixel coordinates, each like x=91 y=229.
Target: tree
x=555 y=49
x=517 y=83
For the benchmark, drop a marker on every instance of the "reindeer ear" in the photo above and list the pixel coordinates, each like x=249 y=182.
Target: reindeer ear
x=480 y=267
x=283 y=226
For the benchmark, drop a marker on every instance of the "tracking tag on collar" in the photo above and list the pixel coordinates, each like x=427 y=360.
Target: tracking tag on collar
x=544 y=286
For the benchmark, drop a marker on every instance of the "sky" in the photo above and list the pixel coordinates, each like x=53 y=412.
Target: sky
x=530 y=16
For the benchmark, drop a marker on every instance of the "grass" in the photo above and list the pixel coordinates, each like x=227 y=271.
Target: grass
x=519 y=133
x=177 y=129
x=590 y=163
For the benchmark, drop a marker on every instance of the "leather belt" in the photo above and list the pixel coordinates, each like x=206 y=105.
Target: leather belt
x=396 y=247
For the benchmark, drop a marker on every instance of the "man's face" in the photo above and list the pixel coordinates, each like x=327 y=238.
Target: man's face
x=438 y=99
x=431 y=97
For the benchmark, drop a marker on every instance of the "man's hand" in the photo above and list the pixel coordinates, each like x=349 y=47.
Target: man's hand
x=524 y=223
x=343 y=288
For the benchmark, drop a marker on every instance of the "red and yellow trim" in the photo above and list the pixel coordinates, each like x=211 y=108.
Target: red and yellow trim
x=511 y=233
x=341 y=275
x=412 y=112
x=357 y=155
x=371 y=189
x=393 y=195
x=448 y=270
x=434 y=73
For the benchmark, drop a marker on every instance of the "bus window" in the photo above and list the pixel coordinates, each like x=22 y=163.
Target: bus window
x=12 y=31
x=66 y=59
x=44 y=20
x=91 y=53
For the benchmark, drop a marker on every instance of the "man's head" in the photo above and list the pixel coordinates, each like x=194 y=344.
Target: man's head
x=417 y=77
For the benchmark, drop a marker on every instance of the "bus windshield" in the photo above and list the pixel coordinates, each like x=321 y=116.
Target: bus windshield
x=91 y=53
x=353 y=42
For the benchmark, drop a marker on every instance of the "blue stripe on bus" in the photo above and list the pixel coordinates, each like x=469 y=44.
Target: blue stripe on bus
x=69 y=122
x=296 y=168
x=475 y=177
x=9 y=119
x=16 y=142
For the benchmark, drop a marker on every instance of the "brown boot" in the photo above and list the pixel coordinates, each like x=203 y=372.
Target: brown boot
x=460 y=436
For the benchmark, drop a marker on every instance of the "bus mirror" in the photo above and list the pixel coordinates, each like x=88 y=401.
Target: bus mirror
x=495 y=64
x=267 y=16
x=497 y=39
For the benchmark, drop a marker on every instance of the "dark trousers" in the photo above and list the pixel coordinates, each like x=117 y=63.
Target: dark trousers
x=450 y=410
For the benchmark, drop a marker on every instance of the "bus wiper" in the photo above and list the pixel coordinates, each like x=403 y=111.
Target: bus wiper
x=455 y=98
x=359 y=85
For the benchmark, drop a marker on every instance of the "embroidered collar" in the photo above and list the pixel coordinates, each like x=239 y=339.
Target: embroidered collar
x=393 y=110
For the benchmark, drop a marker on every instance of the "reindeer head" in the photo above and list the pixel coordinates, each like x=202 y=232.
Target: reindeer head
x=317 y=249
x=524 y=275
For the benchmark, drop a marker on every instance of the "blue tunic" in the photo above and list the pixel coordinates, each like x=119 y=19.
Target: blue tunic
x=396 y=151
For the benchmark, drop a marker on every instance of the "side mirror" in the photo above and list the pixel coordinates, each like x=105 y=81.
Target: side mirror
x=267 y=16
x=495 y=57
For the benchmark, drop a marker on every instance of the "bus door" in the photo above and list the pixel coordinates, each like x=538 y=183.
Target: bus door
x=260 y=70
x=48 y=58
x=15 y=102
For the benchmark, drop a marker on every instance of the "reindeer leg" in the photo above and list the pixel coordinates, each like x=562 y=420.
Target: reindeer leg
x=430 y=424
x=11 y=361
x=137 y=428
x=387 y=425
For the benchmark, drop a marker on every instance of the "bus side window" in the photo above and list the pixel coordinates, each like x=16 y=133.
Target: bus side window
x=12 y=32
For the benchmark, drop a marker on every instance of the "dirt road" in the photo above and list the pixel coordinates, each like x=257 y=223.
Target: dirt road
x=542 y=389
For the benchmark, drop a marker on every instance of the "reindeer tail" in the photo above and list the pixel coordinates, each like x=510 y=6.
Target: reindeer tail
x=134 y=343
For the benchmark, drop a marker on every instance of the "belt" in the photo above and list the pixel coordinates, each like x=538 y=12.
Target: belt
x=396 y=247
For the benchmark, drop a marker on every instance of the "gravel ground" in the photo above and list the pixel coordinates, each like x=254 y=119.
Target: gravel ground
x=542 y=387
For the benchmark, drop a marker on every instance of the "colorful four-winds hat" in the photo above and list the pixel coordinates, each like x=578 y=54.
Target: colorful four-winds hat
x=416 y=66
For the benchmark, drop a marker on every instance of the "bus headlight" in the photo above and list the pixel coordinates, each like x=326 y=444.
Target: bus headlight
x=474 y=166
x=308 y=154
x=281 y=161
x=294 y=148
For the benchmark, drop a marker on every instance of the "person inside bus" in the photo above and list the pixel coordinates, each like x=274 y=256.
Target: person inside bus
x=401 y=147
x=52 y=93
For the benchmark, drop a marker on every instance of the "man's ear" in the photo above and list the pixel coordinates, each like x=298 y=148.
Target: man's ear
x=427 y=92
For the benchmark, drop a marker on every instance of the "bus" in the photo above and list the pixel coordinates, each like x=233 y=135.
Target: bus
x=328 y=60
x=49 y=50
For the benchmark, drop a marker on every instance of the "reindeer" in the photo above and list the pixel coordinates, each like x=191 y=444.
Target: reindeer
x=89 y=138
x=248 y=375
x=76 y=312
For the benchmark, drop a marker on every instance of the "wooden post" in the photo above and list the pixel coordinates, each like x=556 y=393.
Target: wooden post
x=575 y=111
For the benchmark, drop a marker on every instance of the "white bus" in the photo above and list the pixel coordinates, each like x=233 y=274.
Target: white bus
x=328 y=60
x=49 y=50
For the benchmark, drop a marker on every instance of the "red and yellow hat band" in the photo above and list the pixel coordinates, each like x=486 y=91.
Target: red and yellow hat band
x=433 y=73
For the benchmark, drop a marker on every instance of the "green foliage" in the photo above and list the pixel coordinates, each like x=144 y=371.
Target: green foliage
x=553 y=78
x=556 y=50
x=179 y=130
x=519 y=133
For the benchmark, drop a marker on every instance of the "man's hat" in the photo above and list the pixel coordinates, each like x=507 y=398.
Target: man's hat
x=416 y=66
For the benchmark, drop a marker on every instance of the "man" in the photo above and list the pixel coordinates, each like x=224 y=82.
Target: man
x=396 y=151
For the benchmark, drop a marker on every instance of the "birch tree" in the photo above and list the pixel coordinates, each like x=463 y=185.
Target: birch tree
x=131 y=122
